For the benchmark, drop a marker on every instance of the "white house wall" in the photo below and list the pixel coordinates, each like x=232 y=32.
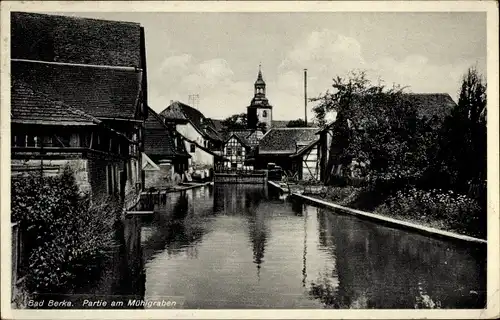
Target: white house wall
x=188 y=131
x=310 y=165
x=200 y=159
x=267 y=119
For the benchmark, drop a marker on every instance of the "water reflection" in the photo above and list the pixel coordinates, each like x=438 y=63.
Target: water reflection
x=237 y=246
x=258 y=233
x=177 y=227
x=379 y=267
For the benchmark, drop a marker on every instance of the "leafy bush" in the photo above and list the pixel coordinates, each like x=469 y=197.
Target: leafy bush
x=342 y=195
x=66 y=233
x=453 y=211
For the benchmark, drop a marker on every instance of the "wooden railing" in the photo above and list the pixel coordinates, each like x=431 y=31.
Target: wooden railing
x=239 y=171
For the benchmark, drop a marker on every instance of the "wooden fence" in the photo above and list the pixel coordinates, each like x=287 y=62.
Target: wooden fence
x=18 y=261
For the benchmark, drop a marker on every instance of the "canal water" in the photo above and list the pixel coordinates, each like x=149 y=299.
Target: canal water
x=241 y=246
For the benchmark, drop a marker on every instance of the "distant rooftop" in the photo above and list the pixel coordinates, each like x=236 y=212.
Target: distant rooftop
x=178 y=111
x=286 y=140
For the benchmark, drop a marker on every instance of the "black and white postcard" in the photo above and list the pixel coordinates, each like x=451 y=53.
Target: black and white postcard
x=249 y=160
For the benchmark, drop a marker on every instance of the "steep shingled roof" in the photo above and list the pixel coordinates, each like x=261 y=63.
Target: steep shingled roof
x=30 y=107
x=242 y=137
x=217 y=123
x=428 y=105
x=431 y=104
x=178 y=111
x=100 y=92
x=286 y=140
x=58 y=38
x=254 y=138
x=174 y=112
x=159 y=140
x=249 y=137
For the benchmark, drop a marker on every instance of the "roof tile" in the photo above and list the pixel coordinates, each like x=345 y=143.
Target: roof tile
x=59 y=38
x=179 y=111
x=28 y=106
x=159 y=140
x=286 y=140
x=101 y=92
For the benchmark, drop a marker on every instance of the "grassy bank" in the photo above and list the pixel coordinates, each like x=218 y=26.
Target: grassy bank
x=438 y=209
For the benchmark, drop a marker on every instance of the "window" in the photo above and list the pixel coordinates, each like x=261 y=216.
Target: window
x=229 y=150
x=238 y=151
x=264 y=113
x=192 y=148
x=32 y=141
x=48 y=141
x=234 y=165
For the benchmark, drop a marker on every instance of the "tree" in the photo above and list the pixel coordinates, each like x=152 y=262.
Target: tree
x=262 y=126
x=299 y=123
x=235 y=122
x=378 y=129
x=462 y=156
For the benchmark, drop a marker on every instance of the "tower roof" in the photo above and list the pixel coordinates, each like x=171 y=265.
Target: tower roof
x=260 y=80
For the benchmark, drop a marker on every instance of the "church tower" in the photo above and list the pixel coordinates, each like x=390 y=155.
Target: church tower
x=259 y=112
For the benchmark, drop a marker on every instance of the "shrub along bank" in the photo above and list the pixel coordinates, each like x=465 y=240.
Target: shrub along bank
x=435 y=208
x=65 y=233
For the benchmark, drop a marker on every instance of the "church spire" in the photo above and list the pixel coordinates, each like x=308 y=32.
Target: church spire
x=259 y=110
x=260 y=81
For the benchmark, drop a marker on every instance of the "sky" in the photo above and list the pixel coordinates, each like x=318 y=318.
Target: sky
x=217 y=55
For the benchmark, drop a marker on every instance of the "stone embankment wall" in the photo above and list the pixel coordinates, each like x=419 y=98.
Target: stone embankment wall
x=54 y=167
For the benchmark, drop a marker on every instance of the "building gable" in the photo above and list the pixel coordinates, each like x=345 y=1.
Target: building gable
x=180 y=113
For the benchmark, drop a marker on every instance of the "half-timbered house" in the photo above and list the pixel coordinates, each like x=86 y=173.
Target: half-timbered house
x=236 y=149
x=70 y=62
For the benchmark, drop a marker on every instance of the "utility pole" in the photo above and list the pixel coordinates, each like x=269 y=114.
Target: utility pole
x=305 y=96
